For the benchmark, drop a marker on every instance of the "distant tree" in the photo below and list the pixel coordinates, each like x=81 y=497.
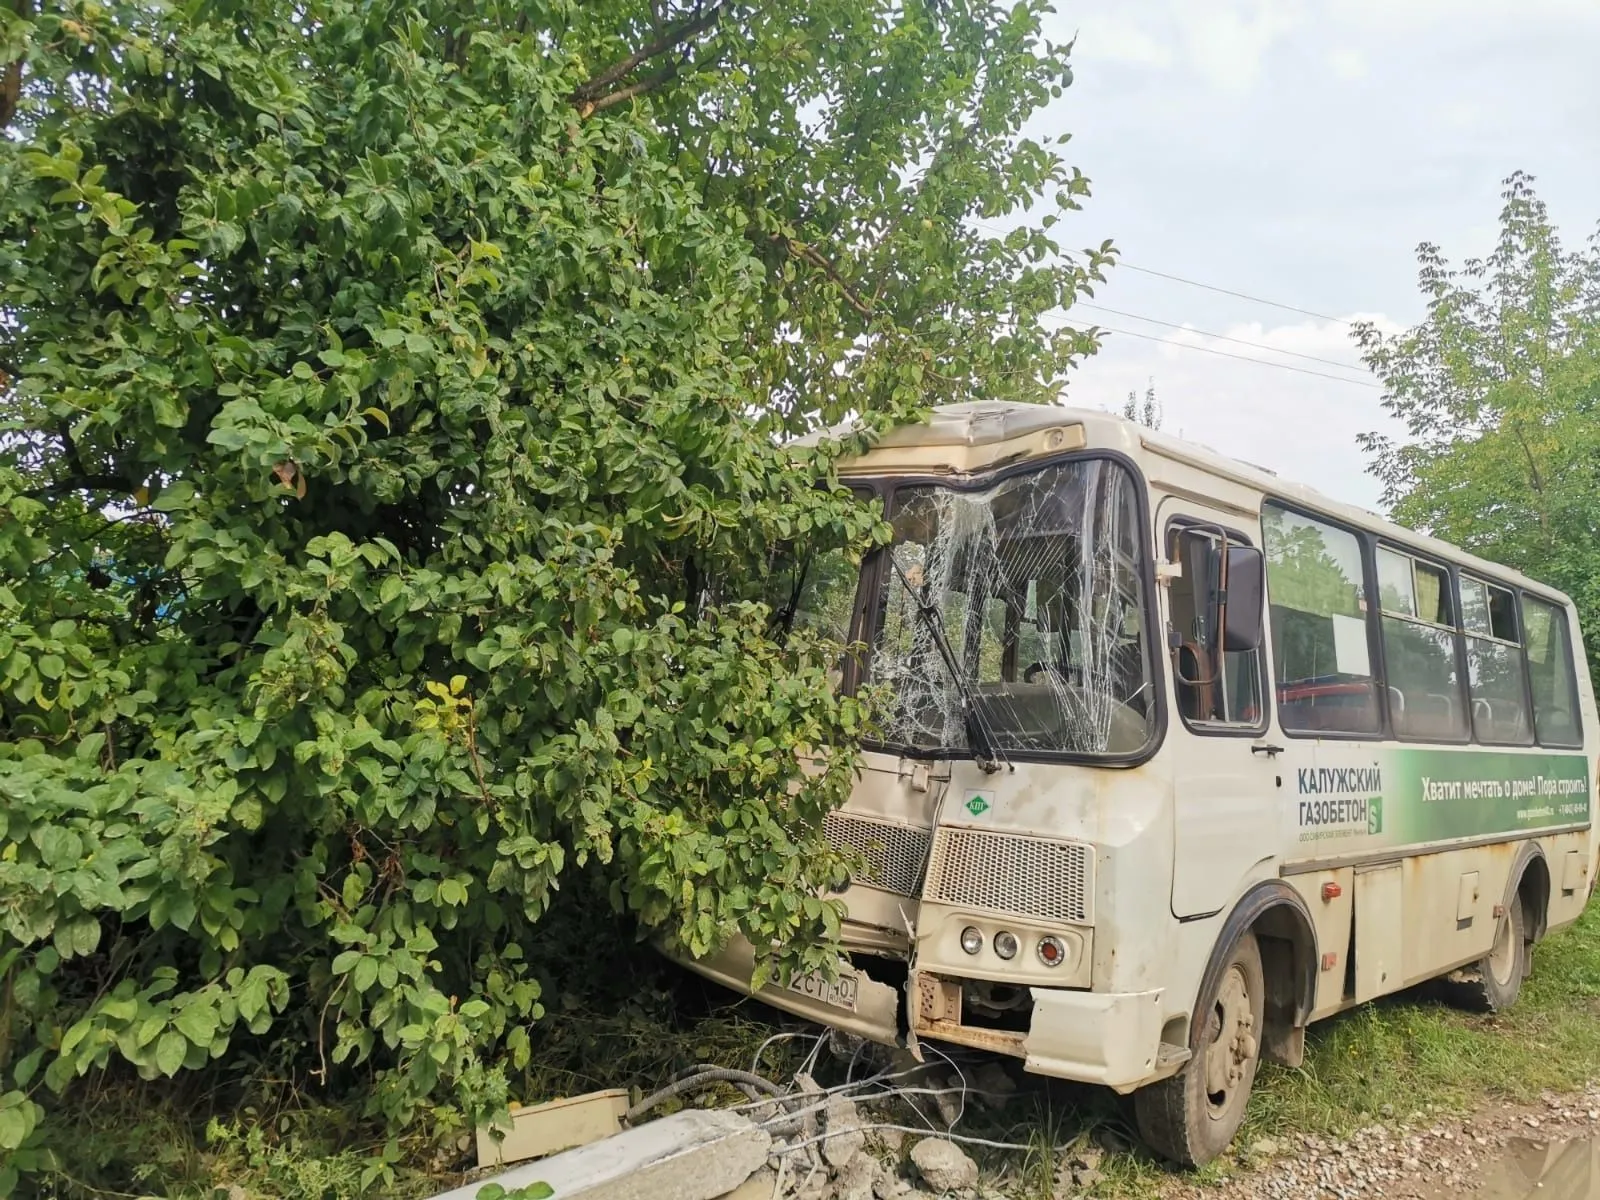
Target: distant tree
x=1499 y=389
x=1146 y=412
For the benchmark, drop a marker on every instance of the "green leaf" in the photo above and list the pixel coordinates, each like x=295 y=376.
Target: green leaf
x=171 y=1050
x=197 y=1022
x=167 y=410
x=14 y=1127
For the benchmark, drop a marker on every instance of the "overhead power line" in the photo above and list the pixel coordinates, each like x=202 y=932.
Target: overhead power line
x=1305 y=312
x=1210 y=287
x=1260 y=362
x=1221 y=337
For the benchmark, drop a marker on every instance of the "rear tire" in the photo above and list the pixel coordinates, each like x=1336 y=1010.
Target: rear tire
x=1502 y=970
x=1191 y=1117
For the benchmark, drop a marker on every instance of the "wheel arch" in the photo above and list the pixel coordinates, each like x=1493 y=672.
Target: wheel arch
x=1286 y=936
x=1529 y=880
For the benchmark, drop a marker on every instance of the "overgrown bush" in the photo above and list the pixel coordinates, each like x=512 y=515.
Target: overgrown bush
x=393 y=467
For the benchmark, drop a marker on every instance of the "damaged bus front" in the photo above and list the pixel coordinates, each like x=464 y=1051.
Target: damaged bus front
x=1180 y=757
x=1008 y=623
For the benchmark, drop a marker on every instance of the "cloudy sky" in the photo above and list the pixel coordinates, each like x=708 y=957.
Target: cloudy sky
x=1298 y=150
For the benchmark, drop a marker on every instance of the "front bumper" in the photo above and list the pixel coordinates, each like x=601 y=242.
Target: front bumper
x=1108 y=1038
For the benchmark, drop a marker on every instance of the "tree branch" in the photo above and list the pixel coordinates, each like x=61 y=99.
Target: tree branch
x=593 y=92
x=819 y=260
x=82 y=483
x=11 y=76
x=622 y=95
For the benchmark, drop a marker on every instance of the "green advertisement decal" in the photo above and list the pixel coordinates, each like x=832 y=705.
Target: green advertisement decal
x=1403 y=797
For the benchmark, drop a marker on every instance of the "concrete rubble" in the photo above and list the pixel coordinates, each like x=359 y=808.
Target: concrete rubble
x=943 y=1165
x=696 y=1154
x=809 y=1143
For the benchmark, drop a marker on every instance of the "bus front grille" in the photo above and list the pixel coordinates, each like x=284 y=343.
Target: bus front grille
x=896 y=854
x=1012 y=873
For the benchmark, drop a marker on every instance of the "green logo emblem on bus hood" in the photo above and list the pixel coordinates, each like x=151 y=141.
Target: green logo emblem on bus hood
x=977 y=806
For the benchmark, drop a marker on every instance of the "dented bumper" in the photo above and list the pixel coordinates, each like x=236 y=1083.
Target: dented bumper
x=1107 y=1038
x=877 y=1005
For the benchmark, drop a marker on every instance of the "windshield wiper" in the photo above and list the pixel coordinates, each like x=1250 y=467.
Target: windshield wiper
x=782 y=620
x=985 y=748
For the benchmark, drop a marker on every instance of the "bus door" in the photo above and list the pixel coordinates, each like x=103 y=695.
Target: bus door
x=1227 y=772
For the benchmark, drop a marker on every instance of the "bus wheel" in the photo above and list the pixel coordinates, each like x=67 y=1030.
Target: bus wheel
x=1191 y=1117
x=1501 y=971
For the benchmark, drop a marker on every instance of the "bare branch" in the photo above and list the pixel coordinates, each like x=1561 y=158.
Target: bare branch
x=816 y=258
x=82 y=483
x=621 y=95
x=594 y=91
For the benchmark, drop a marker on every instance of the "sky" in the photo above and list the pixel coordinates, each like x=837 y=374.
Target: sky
x=1298 y=151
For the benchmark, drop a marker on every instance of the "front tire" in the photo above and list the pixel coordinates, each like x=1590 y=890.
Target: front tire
x=1191 y=1117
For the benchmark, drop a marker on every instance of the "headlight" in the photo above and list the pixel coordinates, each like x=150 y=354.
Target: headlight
x=971 y=940
x=1052 y=951
x=1005 y=944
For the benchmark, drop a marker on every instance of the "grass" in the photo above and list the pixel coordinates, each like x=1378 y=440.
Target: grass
x=1406 y=1057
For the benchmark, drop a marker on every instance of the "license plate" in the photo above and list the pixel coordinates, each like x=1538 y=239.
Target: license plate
x=841 y=993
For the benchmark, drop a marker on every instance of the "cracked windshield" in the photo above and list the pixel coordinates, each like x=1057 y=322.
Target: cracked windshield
x=1035 y=586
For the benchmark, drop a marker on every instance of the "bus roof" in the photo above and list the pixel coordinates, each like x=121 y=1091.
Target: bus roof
x=982 y=423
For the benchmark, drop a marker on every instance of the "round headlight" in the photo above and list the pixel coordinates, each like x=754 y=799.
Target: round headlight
x=1052 y=951
x=971 y=940
x=1005 y=944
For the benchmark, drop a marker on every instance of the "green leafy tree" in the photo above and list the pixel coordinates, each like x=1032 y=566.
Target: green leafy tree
x=1499 y=390
x=393 y=402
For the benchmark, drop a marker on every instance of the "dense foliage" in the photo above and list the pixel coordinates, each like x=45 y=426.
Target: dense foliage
x=1499 y=388
x=392 y=409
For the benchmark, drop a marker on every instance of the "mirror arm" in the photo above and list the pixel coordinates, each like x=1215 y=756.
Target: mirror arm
x=1178 y=674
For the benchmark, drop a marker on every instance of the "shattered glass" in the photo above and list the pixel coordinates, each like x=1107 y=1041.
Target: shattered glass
x=1037 y=582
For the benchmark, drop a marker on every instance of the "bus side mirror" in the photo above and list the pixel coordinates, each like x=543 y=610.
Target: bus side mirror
x=1246 y=598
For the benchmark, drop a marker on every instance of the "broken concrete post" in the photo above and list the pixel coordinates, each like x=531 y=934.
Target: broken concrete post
x=697 y=1154
x=758 y=1187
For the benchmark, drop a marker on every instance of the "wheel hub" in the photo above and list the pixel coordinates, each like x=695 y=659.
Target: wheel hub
x=1233 y=1041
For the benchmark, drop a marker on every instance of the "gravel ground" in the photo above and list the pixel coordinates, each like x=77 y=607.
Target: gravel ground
x=1499 y=1151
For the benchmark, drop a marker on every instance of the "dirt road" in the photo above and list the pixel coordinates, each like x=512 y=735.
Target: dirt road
x=1549 y=1150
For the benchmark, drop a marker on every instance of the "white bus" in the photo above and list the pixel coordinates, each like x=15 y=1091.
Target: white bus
x=1180 y=758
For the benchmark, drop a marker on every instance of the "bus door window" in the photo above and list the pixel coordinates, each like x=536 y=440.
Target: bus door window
x=1209 y=691
x=1419 y=648
x=1320 y=643
x=1494 y=664
x=1550 y=670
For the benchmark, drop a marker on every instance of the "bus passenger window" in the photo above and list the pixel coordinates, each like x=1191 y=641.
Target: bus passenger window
x=1494 y=664
x=1419 y=649
x=1228 y=692
x=1555 y=704
x=1315 y=594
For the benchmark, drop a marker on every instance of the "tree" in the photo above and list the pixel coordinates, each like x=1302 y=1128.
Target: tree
x=393 y=402
x=1146 y=412
x=1499 y=389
